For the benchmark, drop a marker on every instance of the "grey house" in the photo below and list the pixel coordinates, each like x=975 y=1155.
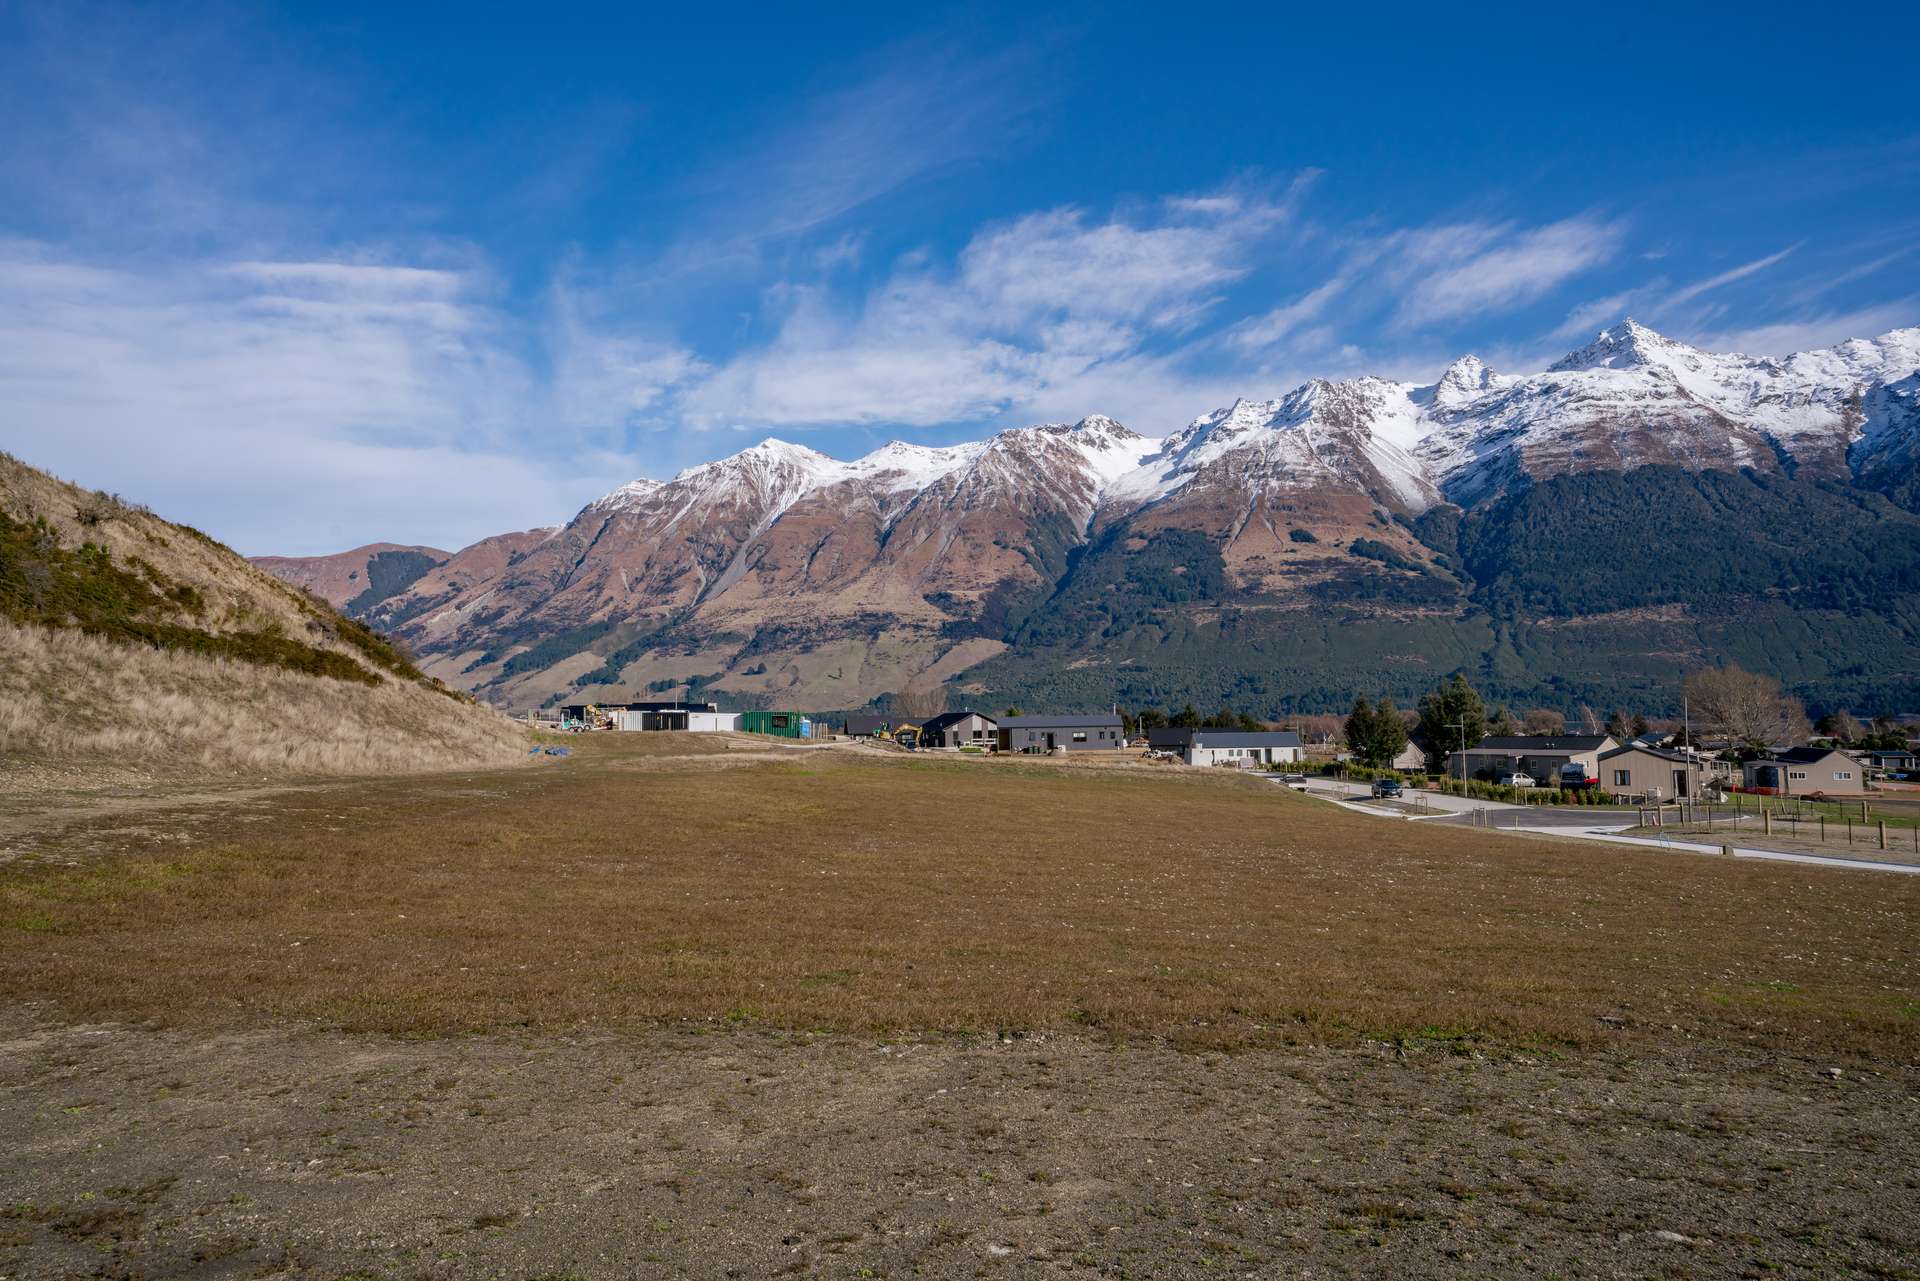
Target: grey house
x=1546 y=757
x=1103 y=732
x=960 y=729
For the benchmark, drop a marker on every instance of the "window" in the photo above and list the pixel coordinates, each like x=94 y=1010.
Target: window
x=1797 y=775
x=1843 y=776
x=1080 y=736
x=779 y=722
x=1623 y=778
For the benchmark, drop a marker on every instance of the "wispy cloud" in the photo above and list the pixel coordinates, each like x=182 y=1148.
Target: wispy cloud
x=1027 y=306
x=1690 y=292
x=1478 y=269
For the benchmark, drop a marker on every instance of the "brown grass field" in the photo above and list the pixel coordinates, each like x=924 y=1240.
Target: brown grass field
x=833 y=891
x=712 y=1007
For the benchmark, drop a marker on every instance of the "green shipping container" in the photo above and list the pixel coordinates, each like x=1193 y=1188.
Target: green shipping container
x=778 y=724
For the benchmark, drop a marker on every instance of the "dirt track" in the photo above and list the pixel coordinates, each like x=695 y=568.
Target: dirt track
x=128 y=1152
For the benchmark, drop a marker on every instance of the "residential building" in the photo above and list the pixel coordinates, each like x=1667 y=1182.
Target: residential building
x=1546 y=758
x=1802 y=771
x=1242 y=750
x=669 y=715
x=1885 y=761
x=1064 y=733
x=1412 y=758
x=960 y=729
x=1655 y=773
x=867 y=725
x=1171 y=738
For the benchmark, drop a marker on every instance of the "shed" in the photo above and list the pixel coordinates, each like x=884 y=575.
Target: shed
x=777 y=724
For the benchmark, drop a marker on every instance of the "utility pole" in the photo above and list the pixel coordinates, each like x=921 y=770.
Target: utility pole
x=1461 y=724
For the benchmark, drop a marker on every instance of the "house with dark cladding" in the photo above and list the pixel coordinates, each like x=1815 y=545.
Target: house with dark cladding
x=960 y=729
x=1101 y=732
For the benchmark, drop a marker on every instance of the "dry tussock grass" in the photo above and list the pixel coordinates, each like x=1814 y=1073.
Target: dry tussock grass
x=70 y=698
x=838 y=891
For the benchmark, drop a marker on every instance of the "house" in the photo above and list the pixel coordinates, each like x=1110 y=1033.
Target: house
x=1062 y=733
x=960 y=729
x=1242 y=750
x=778 y=724
x=1802 y=771
x=1884 y=761
x=1412 y=759
x=1170 y=738
x=1545 y=757
x=672 y=715
x=1656 y=773
x=866 y=726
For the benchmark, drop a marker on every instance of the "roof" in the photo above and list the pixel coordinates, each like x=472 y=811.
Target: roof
x=1171 y=736
x=868 y=723
x=1060 y=722
x=1805 y=755
x=1242 y=738
x=934 y=724
x=1541 y=742
x=1664 y=753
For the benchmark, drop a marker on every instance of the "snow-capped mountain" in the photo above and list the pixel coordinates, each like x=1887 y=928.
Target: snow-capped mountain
x=779 y=571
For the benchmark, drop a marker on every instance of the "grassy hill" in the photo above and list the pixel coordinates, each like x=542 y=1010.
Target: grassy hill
x=129 y=641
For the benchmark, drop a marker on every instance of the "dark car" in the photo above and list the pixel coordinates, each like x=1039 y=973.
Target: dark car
x=1386 y=787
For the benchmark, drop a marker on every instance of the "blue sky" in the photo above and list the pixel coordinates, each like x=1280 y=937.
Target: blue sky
x=310 y=276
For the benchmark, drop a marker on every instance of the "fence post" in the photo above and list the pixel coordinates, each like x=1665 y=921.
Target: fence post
x=1766 y=820
x=1883 y=833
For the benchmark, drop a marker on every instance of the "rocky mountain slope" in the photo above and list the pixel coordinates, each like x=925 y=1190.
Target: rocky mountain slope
x=128 y=643
x=1578 y=534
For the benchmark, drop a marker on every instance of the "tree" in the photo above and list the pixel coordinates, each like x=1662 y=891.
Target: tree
x=1544 y=720
x=1503 y=723
x=1452 y=715
x=1011 y=712
x=1839 y=726
x=1151 y=718
x=1745 y=707
x=1188 y=718
x=1375 y=734
x=1640 y=725
x=1618 y=725
x=919 y=701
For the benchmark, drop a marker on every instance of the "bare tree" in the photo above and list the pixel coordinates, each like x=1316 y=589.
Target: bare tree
x=1745 y=707
x=920 y=700
x=1542 y=720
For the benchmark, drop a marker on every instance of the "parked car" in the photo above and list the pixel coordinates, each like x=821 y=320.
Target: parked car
x=1386 y=788
x=1516 y=780
x=1298 y=782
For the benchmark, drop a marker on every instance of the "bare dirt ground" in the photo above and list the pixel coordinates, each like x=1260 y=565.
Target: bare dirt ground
x=127 y=1152
x=711 y=1008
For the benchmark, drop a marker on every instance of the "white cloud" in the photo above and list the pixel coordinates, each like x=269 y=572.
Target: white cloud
x=1476 y=269
x=1028 y=307
x=288 y=406
x=1822 y=329
x=1741 y=272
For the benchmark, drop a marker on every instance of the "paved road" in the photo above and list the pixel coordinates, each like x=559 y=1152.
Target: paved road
x=1586 y=823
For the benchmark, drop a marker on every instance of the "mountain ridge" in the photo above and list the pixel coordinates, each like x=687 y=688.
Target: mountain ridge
x=780 y=573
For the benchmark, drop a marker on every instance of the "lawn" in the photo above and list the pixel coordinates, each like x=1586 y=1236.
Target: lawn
x=628 y=887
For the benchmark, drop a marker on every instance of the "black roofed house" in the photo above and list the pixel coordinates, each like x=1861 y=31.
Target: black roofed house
x=1171 y=738
x=960 y=729
x=1242 y=750
x=866 y=725
x=1062 y=733
x=1802 y=771
x=1547 y=758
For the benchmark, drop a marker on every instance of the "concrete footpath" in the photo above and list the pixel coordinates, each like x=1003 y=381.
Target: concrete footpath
x=1540 y=820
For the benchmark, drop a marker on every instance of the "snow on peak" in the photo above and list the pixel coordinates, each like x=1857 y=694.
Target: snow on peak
x=1628 y=345
x=1464 y=380
x=631 y=494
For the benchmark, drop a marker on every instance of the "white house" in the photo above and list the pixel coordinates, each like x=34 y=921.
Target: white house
x=1236 y=748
